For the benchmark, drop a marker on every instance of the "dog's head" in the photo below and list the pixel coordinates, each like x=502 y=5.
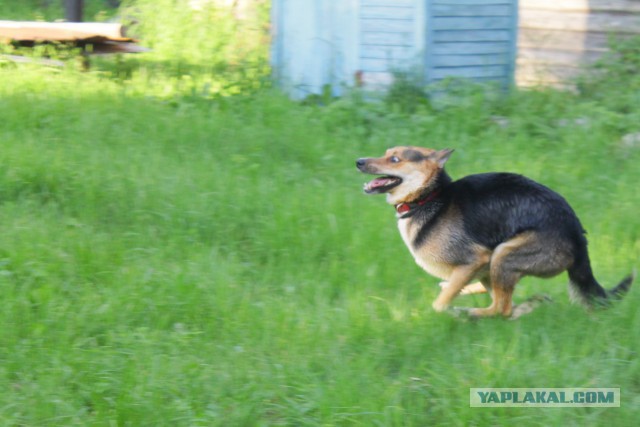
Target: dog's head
x=406 y=172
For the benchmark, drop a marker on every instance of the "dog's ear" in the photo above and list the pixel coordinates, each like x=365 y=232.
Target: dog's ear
x=441 y=156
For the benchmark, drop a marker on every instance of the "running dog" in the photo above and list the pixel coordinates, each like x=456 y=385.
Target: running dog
x=491 y=227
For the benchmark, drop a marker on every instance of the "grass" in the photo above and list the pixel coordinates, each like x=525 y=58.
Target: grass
x=177 y=257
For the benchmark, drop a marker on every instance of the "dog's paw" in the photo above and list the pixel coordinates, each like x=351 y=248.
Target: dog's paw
x=439 y=307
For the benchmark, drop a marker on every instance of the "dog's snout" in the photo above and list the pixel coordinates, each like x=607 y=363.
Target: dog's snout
x=360 y=163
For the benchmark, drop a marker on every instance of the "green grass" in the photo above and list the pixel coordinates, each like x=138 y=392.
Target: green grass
x=181 y=258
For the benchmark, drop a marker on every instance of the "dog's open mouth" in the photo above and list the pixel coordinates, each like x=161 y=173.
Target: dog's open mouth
x=382 y=184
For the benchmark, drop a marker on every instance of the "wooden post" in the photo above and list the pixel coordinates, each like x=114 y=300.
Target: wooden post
x=73 y=10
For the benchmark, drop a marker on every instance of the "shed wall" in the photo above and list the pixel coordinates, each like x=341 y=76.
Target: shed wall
x=314 y=45
x=473 y=39
x=558 y=38
x=392 y=37
x=328 y=43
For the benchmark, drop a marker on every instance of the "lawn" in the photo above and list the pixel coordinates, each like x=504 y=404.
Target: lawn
x=182 y=245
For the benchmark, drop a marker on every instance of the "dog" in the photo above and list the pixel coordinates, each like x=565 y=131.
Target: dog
x=491 y=227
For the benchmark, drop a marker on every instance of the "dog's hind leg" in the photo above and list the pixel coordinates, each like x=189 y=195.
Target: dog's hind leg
x=527 y=254
x=502 y=278
x=502 y=303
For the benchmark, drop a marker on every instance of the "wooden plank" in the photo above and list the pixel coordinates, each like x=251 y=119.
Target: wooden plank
x=580 y=21
x=472 y=36
x=536 y=84
x=471 y=23
x=382 y=65
x=615 y=5
x=558 y=57
x=470 y=48
x=374 y=65
x=496 y=71
x=500 y=80
x=560 y=70
x=472 y=2
x=533 y=81
x=60 y=31
x=631 y=6
x=389 y=3
x=547 y=73
x=386 y=52
x=472 y=10
x=386 y=12
x=386 y=25
x=387 y=39
x=377 y=78
x=564 y=40
x=470 y=60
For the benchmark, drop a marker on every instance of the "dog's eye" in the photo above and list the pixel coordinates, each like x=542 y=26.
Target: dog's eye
x=394 y=159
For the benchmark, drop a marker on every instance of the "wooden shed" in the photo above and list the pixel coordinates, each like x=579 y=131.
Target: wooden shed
x=320 y=45
x=557 y=39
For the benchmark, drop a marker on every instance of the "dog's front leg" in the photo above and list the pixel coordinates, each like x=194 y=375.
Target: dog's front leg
x=459 y=278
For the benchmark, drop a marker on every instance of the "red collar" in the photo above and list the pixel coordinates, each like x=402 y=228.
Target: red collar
x=403 y=208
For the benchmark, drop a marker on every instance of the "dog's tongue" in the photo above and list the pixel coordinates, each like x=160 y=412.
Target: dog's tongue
x=380 y=182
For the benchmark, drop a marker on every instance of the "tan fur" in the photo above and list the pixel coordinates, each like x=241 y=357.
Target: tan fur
x=414 y=179
x=470 y=289
x=460 y=276
x=431 y=255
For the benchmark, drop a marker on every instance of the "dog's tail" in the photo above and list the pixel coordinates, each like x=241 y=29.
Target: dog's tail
x=584 y=288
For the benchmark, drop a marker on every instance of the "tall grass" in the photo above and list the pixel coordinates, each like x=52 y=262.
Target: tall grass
x=174 y=257
x=210 y=50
